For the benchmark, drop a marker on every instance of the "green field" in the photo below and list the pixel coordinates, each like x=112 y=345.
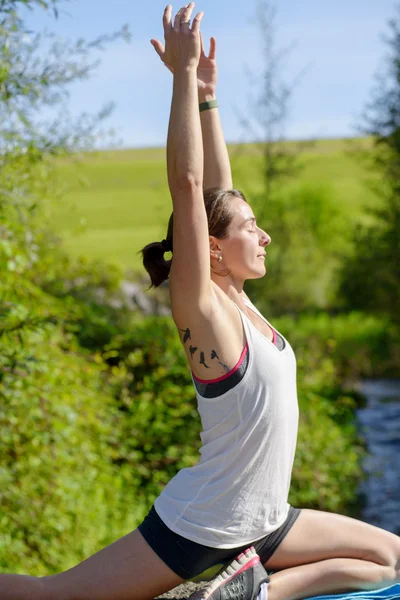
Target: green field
x=116 y=202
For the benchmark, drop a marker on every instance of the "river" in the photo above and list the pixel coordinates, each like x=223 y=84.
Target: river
x=379 y=423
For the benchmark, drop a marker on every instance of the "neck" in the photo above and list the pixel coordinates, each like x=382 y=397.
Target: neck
x=233 y=289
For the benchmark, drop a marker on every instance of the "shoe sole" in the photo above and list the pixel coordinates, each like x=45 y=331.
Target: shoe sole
x=245 y=560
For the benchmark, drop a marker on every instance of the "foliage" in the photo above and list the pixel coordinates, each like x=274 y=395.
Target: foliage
x=31 y=80
x=356 y=345
x=370 y=280
x=97 y=406
x=270 y=100
x=159 y=427
x=147 y=426
x=59 y=485
x=56 y=475
x=333 y=354
x=301 y=266
x=60 y=488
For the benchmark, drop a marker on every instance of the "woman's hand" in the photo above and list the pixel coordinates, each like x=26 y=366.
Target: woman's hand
x=207 y=73
x=183 y=44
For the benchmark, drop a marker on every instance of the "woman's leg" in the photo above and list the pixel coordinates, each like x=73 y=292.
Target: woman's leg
x=329 y=553
x=127 y=569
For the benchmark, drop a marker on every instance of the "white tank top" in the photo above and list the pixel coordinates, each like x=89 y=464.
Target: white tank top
x=237 y=493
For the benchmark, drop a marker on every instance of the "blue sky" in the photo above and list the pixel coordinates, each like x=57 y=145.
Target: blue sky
x=339 y=43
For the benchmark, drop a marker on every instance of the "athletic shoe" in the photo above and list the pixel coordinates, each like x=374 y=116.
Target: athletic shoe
x=240 y=580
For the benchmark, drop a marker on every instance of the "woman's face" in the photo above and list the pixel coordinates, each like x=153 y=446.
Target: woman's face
x=243 y=251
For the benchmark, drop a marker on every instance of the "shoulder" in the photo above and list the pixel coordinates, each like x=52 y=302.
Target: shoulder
x=209 y=334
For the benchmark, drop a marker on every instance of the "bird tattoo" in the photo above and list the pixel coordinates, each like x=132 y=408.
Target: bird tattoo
x=202 y=360
x=187 y=335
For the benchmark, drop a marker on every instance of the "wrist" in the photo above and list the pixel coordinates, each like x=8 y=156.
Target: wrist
x=206 y=96
x=185 y=67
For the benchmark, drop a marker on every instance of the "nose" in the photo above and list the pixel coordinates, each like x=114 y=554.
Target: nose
x=265 y=239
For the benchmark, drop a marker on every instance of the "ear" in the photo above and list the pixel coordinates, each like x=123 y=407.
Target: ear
x=215 y=247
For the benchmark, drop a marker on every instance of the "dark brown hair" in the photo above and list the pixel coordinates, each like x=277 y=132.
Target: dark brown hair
x=219 y=217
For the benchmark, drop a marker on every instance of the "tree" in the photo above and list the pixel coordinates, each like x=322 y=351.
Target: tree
x=370 y=280
x=304 y=220
x=29 y=81
x=50 y=425
x=270 y=102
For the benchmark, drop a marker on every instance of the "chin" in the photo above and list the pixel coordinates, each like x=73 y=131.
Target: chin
x=256 y=275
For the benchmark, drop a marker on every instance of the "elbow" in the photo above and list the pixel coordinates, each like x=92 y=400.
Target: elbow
x=187 y=182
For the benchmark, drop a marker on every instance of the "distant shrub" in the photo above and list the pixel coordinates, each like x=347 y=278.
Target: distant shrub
x=334 y=353
x=308 y=233
x=59 y=487
x=59 y=490
x=158 y=432
x=356 y=345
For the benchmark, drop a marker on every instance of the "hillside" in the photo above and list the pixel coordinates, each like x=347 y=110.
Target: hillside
x=115 y=202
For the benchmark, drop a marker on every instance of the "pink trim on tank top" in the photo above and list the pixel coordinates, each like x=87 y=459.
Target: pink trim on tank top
x=235 y=368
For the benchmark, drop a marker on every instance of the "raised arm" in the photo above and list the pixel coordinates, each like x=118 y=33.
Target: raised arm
x=184 y=143
x=190 y=282
x=217 y=169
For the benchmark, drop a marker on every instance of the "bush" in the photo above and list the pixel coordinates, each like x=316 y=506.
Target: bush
x=334 y=353
x=159 y=426
x=60 y=487
x=56 y=473
x=301 y=267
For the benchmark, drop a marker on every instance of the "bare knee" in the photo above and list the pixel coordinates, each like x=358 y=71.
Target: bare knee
x=389 y=575
x=387 y=554
x=397 y=559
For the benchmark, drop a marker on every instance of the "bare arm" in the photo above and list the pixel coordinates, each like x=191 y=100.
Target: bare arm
x=190 y=282
x=217 y=169
x=184 y=143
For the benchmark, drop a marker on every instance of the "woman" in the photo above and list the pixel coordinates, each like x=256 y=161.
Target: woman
x=216 y=504
x=244 y=373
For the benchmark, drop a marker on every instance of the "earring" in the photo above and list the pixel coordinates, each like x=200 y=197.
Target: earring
x=220 y=258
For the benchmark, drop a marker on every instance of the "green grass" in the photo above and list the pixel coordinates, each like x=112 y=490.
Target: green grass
x=116 y=202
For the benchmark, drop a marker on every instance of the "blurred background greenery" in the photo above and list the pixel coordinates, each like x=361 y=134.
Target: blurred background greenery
x=97 y=406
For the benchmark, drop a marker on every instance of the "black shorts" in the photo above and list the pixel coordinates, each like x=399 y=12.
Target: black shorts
x=188 y=559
